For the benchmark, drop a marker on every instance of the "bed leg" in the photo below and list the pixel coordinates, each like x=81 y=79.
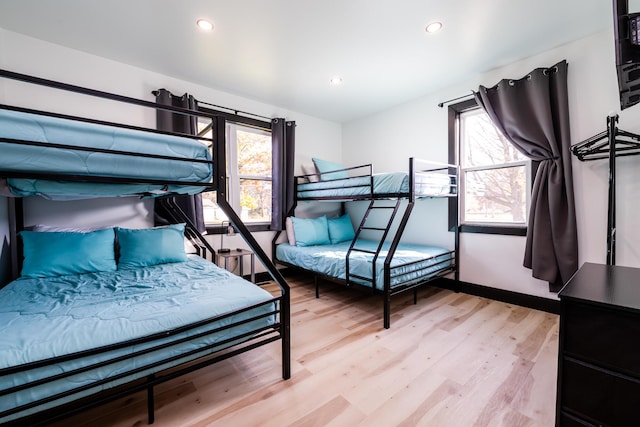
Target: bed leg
x=415 y=296
x=317 y=282
x=387 y=311
x=150 y=402
x=285 y=335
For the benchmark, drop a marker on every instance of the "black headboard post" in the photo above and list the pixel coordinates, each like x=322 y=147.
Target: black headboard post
x=16 y=224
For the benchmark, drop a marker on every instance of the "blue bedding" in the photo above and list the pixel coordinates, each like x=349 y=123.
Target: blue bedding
x=43 y=318
x=330 y=260
x=393 y=183
x=29 y=158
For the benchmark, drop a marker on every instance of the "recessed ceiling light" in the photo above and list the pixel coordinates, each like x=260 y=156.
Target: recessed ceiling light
x=204 y=25
x=335 y=81
x=434 y=27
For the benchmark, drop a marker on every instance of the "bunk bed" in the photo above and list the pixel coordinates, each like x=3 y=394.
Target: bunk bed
x=94 y=315
x=371 y=257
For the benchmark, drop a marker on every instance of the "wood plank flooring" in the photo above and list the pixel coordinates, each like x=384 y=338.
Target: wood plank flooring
x=451 y=360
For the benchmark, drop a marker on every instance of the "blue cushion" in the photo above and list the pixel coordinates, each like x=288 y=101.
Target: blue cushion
x=48 y=254
x=311 y=231
x=327 y=166
x=340 y=229
x=150 y=246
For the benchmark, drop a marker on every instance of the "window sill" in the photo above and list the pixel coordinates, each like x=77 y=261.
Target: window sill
x=216 y=229
x=492 y=229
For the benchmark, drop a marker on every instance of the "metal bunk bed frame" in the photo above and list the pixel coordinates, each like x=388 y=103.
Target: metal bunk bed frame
x=279 y=330
x=388 y=291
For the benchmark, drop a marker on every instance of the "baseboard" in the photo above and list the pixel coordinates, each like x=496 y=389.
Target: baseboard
x=517 y=298
x=265 y=276
x=530 y=301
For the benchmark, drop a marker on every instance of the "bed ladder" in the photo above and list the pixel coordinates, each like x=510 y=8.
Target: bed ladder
x=383 y=206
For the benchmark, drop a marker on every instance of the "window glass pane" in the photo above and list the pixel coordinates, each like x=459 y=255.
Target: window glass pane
x=255 y=200
x=253 y=178
x=495 y=195
x=211 y=212
x=482 y=144
x=254 y=152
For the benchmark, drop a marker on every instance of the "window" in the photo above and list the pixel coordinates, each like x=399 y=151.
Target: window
x=248 y=154
x=494 y=176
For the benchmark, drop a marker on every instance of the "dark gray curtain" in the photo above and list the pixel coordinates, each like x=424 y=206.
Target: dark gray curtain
x=533 y=113
x=181 y=123
x=283 y=135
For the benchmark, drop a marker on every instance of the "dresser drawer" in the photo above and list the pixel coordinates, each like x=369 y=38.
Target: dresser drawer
x=605 y=398
x=600 y=335
x=568 y=421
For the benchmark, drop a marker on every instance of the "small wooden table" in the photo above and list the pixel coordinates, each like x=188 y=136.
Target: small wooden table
x=239 y=254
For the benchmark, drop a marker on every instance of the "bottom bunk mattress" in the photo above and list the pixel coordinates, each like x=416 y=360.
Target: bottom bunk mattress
x=411 y=262
x=56 y=316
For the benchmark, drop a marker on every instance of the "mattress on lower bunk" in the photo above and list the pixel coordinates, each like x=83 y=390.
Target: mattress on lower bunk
x=43 y=318
x=427 y=185
x=415 y=262
x=47 y=159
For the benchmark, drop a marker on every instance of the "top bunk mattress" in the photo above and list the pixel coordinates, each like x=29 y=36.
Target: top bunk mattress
x=393 y=184
x=45 y=158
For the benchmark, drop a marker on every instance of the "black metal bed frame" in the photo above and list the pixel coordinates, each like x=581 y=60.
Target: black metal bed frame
x=450 y=263
x=279 y=330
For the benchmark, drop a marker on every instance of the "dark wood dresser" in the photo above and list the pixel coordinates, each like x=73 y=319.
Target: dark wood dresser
x=599 y=354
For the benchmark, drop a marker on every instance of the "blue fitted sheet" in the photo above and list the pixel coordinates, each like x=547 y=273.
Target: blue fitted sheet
x=427 y=185
x=43 y=318
x=39 y=128
x=330 y=260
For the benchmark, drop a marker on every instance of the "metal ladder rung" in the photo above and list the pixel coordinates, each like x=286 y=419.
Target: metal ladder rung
x=363 y=250
x=393 y=210
x=368 y=279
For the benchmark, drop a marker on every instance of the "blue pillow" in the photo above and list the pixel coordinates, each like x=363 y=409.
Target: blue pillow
x=340 y=229
x=48 y=254
x=327 y=166
x=311 y=231
x=150 y=246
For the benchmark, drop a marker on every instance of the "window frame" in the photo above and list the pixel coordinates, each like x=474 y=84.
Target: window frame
x=454 y=111
x=247 y=122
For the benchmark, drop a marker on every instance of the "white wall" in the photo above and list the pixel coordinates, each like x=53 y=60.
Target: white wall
x=419 y=129
x=39 y=58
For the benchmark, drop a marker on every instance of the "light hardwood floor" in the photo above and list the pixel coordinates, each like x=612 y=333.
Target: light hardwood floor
x=451 y=360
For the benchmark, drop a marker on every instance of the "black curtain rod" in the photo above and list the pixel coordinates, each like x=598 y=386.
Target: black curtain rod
x=236 y=112
x=233 y=110
x=441 y=104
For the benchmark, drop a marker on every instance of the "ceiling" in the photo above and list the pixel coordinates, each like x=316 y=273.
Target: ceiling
x=284 y=52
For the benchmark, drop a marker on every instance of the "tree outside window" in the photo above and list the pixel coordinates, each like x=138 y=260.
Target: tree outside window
x=249 y=176
x=494 y=175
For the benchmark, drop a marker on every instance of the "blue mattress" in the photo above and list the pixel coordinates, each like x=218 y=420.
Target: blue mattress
x=43 y=318
x=393 y=183
x=38 y=128
x=414 y=262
